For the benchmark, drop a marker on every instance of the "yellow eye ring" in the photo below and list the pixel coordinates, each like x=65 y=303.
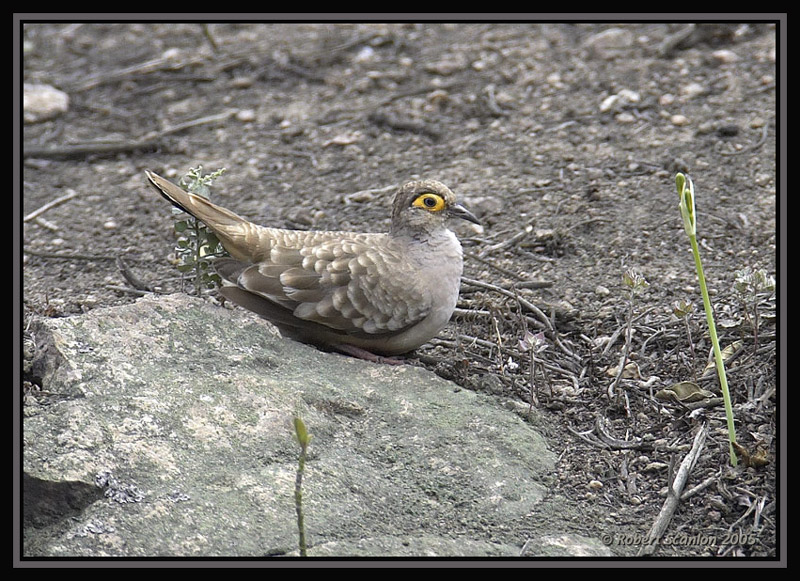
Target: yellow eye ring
x=430 y=202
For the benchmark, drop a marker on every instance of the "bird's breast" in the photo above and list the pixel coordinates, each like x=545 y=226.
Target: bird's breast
x=439 y=264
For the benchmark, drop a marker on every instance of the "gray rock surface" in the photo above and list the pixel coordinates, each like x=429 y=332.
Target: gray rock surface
x=164 y=428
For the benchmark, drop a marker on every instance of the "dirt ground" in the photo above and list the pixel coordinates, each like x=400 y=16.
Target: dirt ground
x=564 y=138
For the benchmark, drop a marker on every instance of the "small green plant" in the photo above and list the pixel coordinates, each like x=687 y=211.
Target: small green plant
x=686 y=192
x=534 y=344
x=304 y=439
x=751 y=286
x=683 y=310
x=197 y=245
x=635 y=283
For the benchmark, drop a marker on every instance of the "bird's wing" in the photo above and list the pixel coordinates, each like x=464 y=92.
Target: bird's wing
x=353 y=283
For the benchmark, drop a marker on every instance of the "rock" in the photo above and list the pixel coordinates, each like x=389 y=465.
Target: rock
x=679 y=120
x=163 y=429
x=619 y=100
x=725 y=57
x=41 y=102
x=692 y=90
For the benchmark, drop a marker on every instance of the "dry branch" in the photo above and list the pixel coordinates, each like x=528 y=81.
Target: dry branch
x=674 y=494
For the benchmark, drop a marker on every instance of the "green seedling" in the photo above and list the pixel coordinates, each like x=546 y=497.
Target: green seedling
x=533 y=344
x=686 y=192
x=751 y=286
x=636 y=283
x=304 y=439
x=197 y=246
x=683 y=310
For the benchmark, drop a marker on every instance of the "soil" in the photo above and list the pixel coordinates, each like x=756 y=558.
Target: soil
x=564 y=138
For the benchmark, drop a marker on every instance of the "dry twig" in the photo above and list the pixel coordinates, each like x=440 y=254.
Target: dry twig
x=149 y=142
x=674 y=495
x=38 y=212
x=525 y=303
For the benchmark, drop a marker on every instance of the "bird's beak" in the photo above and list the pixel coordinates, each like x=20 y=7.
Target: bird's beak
x=459 y=211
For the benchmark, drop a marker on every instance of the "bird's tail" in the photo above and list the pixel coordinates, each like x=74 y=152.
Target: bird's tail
x=238 y=236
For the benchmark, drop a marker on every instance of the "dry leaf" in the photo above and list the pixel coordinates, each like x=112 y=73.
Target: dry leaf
x=684 y=392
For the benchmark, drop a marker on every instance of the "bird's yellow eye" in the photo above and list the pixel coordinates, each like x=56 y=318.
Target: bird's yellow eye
x=430 y=202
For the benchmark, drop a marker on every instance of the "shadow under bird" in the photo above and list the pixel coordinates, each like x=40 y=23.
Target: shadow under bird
x=363 y=294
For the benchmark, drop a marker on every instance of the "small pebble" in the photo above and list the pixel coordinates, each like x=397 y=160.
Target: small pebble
x=242 y=82
x=609 y=103
x=365 y=54
x=171 y=54
x=42 y=102
x=90 y=301
x=763 y=179
x=620 y=99
x=679 y=120
x=691 y=90
x=554 y=79
x=246 y=115
x=724 y=56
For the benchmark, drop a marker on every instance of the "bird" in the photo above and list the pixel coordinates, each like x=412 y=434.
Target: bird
x=370 y=295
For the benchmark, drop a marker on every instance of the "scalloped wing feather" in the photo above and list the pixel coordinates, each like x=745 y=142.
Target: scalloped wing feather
x=338 y=280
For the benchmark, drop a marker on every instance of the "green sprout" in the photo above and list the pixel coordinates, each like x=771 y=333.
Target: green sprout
x=197 y=246
x=534 y=344
x=304 y=439
x=683 y=310
x=751 y=286
x=636 y=284
x=686 y=192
